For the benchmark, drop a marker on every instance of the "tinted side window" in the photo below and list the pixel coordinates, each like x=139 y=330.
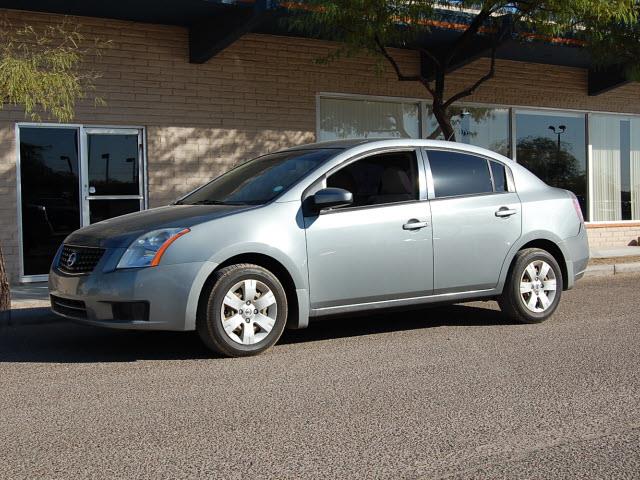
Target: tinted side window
x=499 y=176
x=378 y=179
x=459 y=174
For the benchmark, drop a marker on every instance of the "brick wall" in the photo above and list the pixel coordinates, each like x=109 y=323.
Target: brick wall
x=257 y=96
x=8 y=198
x=613 y=236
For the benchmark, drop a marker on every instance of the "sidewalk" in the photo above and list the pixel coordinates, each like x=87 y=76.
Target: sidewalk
x=30 y=295
x=613 y=261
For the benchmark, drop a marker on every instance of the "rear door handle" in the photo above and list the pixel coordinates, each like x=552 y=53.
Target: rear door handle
x=505 y=212
x=414 y=224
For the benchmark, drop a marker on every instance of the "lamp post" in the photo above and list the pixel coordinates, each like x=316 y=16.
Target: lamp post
x=66 y=158
x=134 y=175
x=559 y=130
x=107 y=158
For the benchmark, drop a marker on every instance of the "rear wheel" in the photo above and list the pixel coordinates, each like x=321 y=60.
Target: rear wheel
x=534 y=287
x=246 y=311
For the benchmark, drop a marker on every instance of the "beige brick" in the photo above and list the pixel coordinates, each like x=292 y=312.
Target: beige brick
x=256 y=96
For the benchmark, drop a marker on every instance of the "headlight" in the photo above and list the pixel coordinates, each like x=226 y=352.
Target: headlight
x=148 y=249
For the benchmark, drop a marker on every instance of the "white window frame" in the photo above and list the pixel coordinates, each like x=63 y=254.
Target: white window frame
x=82 y=130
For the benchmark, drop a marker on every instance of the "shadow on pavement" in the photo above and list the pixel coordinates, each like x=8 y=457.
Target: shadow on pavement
x=36 y=335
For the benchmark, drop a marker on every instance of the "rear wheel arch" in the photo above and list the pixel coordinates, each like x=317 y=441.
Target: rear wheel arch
x=553 y=249
x=264 y=261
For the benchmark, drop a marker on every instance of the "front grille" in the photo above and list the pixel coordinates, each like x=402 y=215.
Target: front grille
x=68 y=307
x=79 y=259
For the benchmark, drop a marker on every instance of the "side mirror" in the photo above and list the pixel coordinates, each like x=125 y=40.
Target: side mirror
x=332 y=197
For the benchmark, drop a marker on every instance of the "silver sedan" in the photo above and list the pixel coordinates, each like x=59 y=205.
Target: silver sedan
x=328 y=229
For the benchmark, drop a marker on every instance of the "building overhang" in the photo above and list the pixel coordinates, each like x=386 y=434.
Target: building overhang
x=215 y=24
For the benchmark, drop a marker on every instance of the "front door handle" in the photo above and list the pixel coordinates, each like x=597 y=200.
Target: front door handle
x=505 y=212
x=414 y=224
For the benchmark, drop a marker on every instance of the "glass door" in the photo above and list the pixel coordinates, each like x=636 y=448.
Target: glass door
x=48 y=194
x=70 y=176
x=112 y=173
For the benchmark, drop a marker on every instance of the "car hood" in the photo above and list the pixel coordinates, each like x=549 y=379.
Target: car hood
x=121 y=231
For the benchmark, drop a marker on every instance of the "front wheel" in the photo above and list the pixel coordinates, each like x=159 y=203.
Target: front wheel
x=246 y=311
x=534 y=286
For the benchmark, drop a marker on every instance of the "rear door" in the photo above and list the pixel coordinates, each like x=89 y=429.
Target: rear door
x=476 y=217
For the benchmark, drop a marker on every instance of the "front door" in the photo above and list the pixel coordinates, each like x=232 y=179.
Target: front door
x=370 y=251
x=70 y=177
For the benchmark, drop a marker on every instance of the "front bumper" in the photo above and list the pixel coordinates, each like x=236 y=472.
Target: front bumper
x=90 y=298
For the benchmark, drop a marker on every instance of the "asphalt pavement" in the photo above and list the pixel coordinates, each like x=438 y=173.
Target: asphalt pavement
x=447 y=392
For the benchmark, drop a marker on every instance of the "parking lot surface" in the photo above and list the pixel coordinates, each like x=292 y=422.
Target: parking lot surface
x=447 y=392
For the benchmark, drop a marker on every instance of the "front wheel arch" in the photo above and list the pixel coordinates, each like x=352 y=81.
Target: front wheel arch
x=270 y=264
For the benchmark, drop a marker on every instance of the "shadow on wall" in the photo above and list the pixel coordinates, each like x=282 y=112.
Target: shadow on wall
x=181 y=159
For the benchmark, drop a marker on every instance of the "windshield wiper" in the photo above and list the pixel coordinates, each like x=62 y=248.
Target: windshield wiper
x=216 y=202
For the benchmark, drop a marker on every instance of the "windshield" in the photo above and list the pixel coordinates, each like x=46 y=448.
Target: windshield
x=260 y=180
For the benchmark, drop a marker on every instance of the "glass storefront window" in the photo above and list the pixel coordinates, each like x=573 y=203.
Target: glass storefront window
x=615 y=160
x=550 y=143
x=553 y=146
x=342 y=118
x=479 y=126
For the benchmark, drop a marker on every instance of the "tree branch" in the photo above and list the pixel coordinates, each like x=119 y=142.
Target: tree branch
x=394 y=64
x=468 y=34
x=431 y=56
x=469 y=91
x=401 y=77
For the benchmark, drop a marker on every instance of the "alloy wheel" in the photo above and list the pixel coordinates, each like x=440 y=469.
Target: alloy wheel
x=538 y=286
x=249 y=311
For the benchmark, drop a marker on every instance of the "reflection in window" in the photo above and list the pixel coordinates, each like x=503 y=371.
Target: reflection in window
x=113 y=164
x=351 y=118
x=553 y=147
x=483 y=127
x=104 y=209
x=615 y=157
x=457 y=174
x=499 y=173
x=49 y=192
x=379 y=179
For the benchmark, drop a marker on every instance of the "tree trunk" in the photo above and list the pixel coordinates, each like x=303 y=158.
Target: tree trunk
x=444 y=121
x=5 y=292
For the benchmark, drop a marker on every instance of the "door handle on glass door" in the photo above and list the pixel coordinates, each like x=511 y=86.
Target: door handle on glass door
x=414 y=224
x=505 y=212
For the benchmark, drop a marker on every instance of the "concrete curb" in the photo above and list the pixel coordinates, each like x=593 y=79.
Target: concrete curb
x=627 y=267
x=612 y=269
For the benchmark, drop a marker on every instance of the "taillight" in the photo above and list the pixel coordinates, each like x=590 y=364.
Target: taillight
x=577 y=208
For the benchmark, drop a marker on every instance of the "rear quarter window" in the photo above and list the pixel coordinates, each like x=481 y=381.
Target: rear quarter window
x=499 y=172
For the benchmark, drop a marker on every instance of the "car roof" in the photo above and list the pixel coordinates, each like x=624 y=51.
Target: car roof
x=364 y=144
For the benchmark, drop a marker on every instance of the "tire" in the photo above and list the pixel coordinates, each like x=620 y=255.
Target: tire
x=232 y=327
x=539 y=303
